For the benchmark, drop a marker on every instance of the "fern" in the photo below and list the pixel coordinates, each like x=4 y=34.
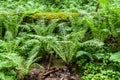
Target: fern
x=115 y=57
x=92 y=43
x=10 y=46
x=51 y=26
x=7 y=64
x=9 y=26
x=46 y=41
x=76 y=36
x=80 y=53
x=65 y=49
x=42 y=29
x=8 y=36
x=29 y=46
x=13 y=60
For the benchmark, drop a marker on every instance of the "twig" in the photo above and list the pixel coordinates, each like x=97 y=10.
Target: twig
x=45 y=74
x=97 y=7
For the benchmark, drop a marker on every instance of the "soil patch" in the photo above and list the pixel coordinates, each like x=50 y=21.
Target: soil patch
x=52 y=73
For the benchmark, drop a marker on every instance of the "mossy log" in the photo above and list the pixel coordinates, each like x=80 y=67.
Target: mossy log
x=29 y=16
x=59 y=15
x=62 y=16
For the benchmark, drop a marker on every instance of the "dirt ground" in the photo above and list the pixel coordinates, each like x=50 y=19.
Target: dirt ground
x=52 y=73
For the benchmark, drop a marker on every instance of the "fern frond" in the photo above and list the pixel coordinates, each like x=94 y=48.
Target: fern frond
x=65 y=49
x=8 y=36
x=46 y=41
x=77 y=36
x=51 y=26
x=16 y=59
x=31 y=60
x=92 y=43
x=42 y=38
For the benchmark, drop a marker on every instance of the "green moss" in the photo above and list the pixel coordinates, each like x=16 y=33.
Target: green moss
x=29 y=16
x=52 y=15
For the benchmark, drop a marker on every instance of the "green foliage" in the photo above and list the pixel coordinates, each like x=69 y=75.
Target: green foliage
x=100 y=71
x=91 y=40
x=66 y=50
x=80 y=53
x=42 y=29
x=8 y=66
x=101 y=68
x=14 y=64
x=115 y=57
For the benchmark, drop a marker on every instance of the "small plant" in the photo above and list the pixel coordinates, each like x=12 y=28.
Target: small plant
x=99 y=71
x=7 y=67
x=15 y=64
x=65 y=49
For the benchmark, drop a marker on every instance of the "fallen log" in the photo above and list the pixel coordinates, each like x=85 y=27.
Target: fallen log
x=62 y=16
x=29 y=16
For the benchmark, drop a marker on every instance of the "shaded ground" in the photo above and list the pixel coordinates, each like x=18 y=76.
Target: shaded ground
x=53 y=73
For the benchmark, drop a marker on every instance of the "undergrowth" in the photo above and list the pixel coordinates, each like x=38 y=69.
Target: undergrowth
x=90 y=41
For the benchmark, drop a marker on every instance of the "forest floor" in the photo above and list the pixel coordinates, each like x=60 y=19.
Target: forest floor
x=52 y=71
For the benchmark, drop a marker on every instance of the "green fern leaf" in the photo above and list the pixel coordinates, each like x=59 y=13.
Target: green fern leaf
x=80 y=53
x=115 y=57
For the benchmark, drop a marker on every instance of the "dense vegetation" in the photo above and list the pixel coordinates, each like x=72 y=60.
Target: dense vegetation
x=88 y=43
